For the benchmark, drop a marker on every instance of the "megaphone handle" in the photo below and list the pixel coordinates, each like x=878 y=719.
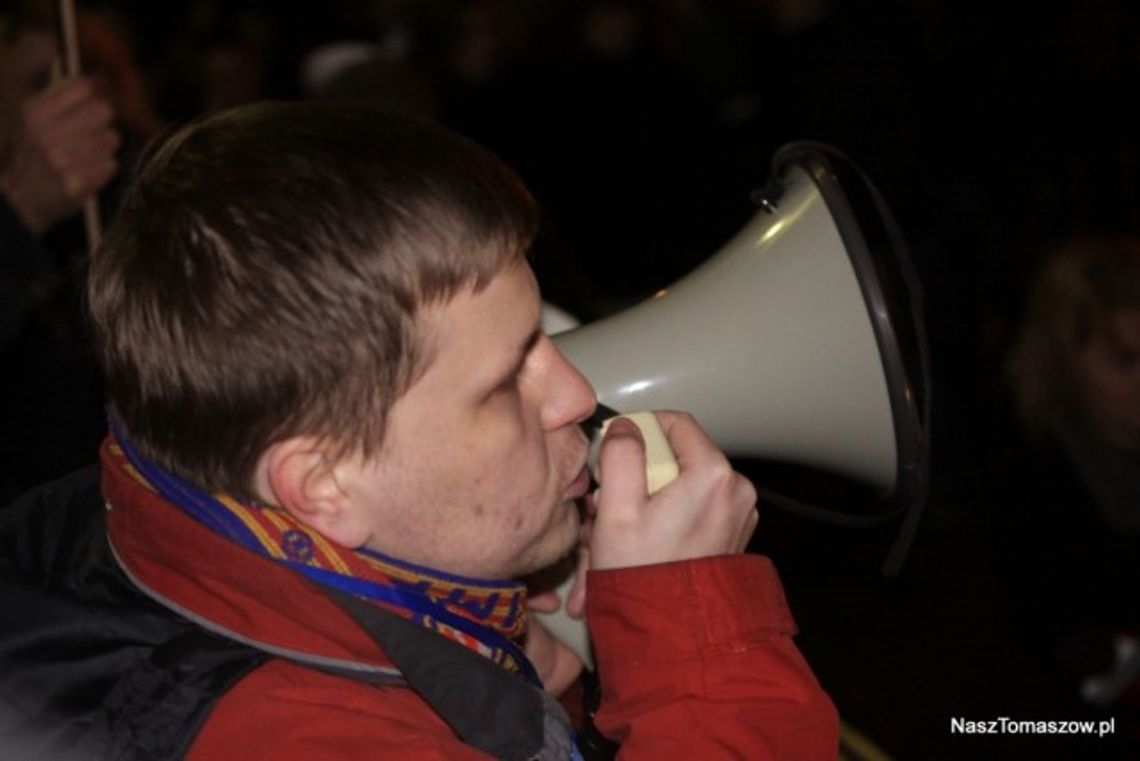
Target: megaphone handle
x=660 y=469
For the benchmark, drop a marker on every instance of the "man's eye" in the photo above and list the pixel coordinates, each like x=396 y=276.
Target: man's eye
x=510 y=384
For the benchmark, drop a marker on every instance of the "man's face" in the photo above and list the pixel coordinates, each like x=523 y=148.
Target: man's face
x=1108 y=376
x=483 y=458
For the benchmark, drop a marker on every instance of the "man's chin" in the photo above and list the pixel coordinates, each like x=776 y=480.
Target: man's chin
x=558 y=544
x=564 y=534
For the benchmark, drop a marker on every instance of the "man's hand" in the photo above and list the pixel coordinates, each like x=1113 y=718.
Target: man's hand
x=708 y=510
x=63 y=151
x=557 y=665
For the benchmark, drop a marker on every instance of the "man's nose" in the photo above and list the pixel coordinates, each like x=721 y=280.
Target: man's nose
x=571 y=398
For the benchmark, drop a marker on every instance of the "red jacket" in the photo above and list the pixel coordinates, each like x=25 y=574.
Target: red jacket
x=696 y=658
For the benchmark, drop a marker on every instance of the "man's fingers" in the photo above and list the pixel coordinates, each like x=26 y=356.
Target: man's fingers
x=691 y=445
x=543 y=602
x=708 y=510
x=56 y=101
x=82 y=182
x=557 y=665
x=89 y=149
x=64 y=115
x=621 y=465
x=576 y=599
x=91 y=118
x=749 y=528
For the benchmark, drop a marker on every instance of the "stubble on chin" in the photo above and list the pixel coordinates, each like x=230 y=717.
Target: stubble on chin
x=555 y=544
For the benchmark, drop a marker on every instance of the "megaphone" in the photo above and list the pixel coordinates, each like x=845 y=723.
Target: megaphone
x=800 y=341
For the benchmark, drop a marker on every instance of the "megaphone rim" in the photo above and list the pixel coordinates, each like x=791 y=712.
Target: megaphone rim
x=877 y=251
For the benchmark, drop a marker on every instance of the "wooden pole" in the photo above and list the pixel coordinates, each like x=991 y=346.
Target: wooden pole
x=71 y=68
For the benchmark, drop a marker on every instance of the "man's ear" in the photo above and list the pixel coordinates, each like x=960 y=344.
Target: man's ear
x=299 y=475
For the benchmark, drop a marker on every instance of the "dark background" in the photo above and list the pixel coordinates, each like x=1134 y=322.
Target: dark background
x=992 y=128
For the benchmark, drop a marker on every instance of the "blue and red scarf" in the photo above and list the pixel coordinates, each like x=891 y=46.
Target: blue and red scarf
x=483 y=615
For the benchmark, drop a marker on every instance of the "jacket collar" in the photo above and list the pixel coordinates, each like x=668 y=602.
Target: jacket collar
x=247 y=597
x=223 y=586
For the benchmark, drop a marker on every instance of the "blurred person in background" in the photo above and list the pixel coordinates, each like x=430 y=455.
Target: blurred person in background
x=1071 y=520
x=62 y=141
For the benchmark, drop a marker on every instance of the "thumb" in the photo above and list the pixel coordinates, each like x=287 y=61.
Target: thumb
x=621 y=466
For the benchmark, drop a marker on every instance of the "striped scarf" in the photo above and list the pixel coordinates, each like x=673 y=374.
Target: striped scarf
x=483 y=615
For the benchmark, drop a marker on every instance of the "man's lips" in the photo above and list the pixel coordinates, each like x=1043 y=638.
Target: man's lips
x=580 y=485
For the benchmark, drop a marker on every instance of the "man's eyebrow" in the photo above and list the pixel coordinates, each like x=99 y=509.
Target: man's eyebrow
x=519 y=356
x=525 y=347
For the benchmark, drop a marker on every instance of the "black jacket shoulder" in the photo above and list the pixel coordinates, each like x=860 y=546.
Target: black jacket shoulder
x=89 y=666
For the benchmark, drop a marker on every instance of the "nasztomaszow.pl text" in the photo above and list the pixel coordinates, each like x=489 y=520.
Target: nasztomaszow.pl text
x=1004 y=725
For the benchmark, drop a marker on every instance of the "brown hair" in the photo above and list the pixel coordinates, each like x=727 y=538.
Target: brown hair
x=263 y=275
x=1081 y=281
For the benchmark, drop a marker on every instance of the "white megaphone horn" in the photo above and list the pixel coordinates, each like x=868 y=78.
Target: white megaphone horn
x=800 y=341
